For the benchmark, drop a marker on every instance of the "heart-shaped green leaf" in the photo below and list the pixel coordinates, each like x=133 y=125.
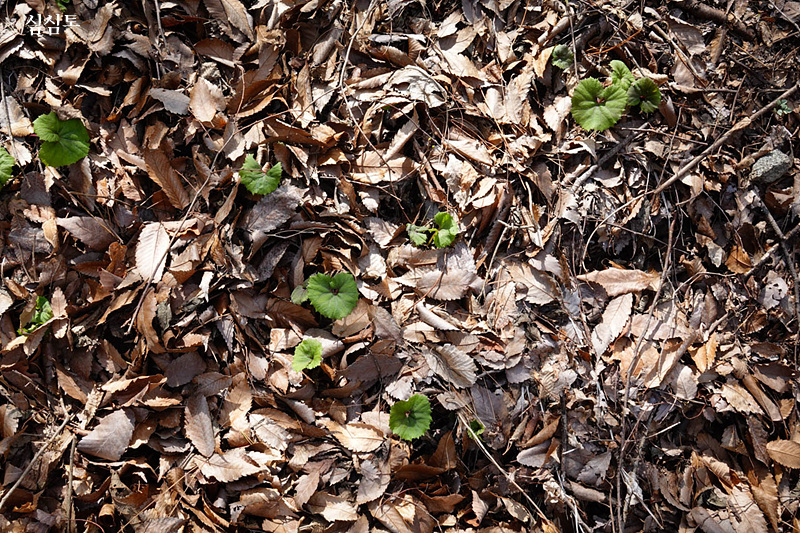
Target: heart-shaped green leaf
x=64 y=141
x=645 y=94
x=621 y=75
x=307 y=354
x=256 y=180
x=447 y=230
x=334 y=297
x=412 y=418
x=562 y=57
x=417 y=234
x=6 y=164
x=595 y=107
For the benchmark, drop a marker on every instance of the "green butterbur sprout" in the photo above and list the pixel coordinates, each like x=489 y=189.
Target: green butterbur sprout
x=256 y=180
x=477 y=428
x=333 y=296
x=417 y=234
x=65 y=141
x=441 y=236
x=307 y=354
x=644 y=93
x=562 y=57
x=621 y=75
x=410 y=419
x=447 y=230
x=6 y=164
x=41 y=314
x=595 y=107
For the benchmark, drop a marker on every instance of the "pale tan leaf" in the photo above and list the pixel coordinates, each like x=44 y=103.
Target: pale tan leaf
x=745 y=516
x=686 y=383
x=451 y=285
x=174 y=101
x=89 y=230
x=705 y=355
x=198 y=426
x=785 y=453
x=617 y=281
x=229 y=466
x=765 y=493
x=479 y=507
x=373 y=168
x=160 y=171
x=184 y=369
x=432 y=319
x=402 y=514
x=375 y=477
x=355 y=437
x=205 y=100
x=452 y=365
x=151 y=251
x=110 y=438
x=738 y=398
x=306 y=487
x=614 y=319
x=269 y=432
x=332 y=508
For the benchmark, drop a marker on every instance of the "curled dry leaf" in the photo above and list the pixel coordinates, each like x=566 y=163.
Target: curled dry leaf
x=355 y=437
x=785 y=453
x=151 y=251
x=228 y=466
x=617 y=281
x=198 y=425
x=452 y=365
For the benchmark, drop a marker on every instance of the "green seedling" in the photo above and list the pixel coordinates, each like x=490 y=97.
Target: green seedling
x=476 y=428
x=782 y=108
x=562 y=57
x=41 y=314
x=441 y=236
x=598 y=107
x=256 y=180
x=64 y=141
x=410 y=419
x=307 y=354
x=6 y=164
x=332 y=296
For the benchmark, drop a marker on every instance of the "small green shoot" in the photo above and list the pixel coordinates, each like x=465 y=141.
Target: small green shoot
x=621 y=75
x=6 y=164
x=41 y=314
x=782 y=108
x=596 y=107
x=64 y=141
x=562 y=57
x=307 y=354
x=410 y=419
x=299 y=294
x=256 y=180
x=476 y=428
x=333 y=296
x=644 y=93
x=441 y=236
x=447 y=230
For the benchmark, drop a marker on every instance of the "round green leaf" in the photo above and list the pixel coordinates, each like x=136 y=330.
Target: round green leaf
x=645 y=94
x=621 y=75
x=447 y=230
x=334 y=297
x=562 y=57
x=412 y=418
x=595 y=107
x=257 y=181
x=6 y=164
x=65 y=141
x=307 y=354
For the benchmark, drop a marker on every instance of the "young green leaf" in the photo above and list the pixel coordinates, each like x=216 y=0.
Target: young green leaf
x=447 y=230
x=412 y=418
x=621 y=75
x=307 y=354
x=41 y=314
x=645 y=94
x=6 y=164
x=562 y=57
x=595 y=107
x=417 y=234
x=256 y=180
x=299 y=295
x=64 y=141
x=334 y=297
x=477 y=428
